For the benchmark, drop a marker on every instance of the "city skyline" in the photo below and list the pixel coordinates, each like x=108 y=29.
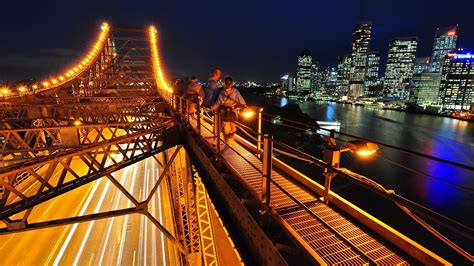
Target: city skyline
x=247 y=55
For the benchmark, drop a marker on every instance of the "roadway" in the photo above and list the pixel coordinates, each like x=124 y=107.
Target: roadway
x=127 y=240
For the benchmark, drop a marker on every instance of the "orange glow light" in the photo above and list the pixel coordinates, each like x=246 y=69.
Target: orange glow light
x=85 y=61
x=157 y=69
x=451 y=33
x=22 y=89
x=249 y=113
x=365 y=153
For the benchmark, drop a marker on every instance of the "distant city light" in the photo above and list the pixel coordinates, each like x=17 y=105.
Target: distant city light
x=464 y=56
x=451 y=33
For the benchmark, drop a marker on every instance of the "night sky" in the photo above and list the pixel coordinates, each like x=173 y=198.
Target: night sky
x=250 y=40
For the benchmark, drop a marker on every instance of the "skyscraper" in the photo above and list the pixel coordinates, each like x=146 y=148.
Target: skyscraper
x=344 y=73
x=457 y=81
x=444 y=42
x=421 y=65
x=303 y=75
x=360 y=49
x=399 y=70
x=372 y=76
x=315 y=74
x=424 y=88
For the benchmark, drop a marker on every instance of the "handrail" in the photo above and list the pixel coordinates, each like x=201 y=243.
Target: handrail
x=391 y=195
x=351 y=176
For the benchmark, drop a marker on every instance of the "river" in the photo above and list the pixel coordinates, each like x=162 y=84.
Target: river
x=442 y=137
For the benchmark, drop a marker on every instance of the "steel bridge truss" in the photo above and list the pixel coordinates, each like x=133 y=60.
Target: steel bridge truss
x=107 y=118
x=192 y=212
x=19 y=145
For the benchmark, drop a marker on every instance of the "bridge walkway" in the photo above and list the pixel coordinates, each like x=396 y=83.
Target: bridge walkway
x=325 y=232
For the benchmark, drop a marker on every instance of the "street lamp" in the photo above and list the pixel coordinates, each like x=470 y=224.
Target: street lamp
x=361 y=148
x=77 y=122
x=248 y=113
x=332 y=156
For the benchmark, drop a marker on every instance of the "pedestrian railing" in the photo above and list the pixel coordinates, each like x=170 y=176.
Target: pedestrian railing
x=264 y=146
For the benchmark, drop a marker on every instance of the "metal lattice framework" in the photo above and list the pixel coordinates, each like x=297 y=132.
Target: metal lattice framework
x=18 y=145
x=121 y=151
x=205 y=222
x=98 y=117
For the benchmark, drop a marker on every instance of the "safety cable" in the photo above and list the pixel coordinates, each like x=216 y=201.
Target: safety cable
x=436 y=233
x=468 y=167
x=425 y=174
x=391 y=195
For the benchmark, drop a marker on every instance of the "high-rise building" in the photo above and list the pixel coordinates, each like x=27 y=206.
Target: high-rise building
x=424 y=88
x=303 y=74
x=360 y=49
x=329 y=81
x=372 y=76
x=444 y=42
x=399 y=70
x=457 y=81
x=344 y=73
x=284 y=84
x=315 y=77
x=421 y=65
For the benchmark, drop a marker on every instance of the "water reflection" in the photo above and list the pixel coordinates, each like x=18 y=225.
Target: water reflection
x=283 y=101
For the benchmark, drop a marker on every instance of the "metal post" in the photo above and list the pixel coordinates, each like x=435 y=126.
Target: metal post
x=215 y=127
x=332 y=157
x=259 y=131
x=267 y=168
x=198 y=116
x=266 y=177
x=187 y=110
x=217 y=131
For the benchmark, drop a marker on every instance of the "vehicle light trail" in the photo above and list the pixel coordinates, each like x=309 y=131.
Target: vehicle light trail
x=74 y=227
x=122 y=239
x=91 y=224
x=117 y=200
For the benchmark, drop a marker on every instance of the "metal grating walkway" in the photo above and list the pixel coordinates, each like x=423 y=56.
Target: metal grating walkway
x=334 y=237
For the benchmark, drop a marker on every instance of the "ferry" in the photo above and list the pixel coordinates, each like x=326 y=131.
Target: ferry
x=325 y=126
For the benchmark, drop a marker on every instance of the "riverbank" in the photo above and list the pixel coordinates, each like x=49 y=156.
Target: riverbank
x=468 y=119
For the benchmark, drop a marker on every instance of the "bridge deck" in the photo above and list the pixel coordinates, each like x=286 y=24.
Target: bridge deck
x=333 y=236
